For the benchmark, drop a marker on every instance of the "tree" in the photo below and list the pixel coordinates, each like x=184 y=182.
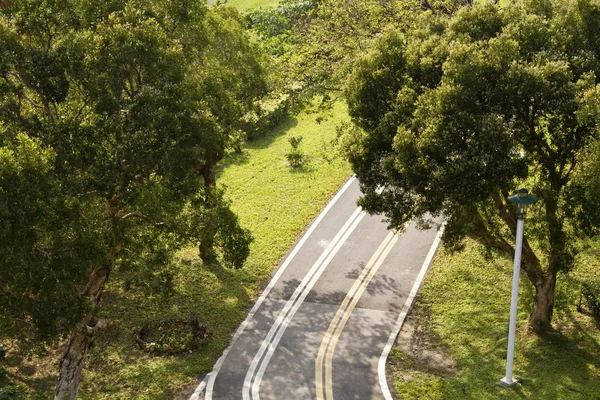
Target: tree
x=333 y=36
x=111 y=115
x=232 y=77
x=456 y=113
x=317 y=41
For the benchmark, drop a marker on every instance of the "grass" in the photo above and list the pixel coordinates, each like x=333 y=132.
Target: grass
x=272 y=200
x=276 y=203
x=244 y=5
x=466 y=300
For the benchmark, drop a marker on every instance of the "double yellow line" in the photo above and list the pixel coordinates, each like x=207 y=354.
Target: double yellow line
x=324 y=361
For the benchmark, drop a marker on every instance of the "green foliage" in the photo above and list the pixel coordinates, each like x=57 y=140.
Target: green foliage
x=218 y=225
x=316 y=42
x=43 y=242
x=295 y=158
x=586 y=186
x=9 y=392
x=276 y=26
x=276 y=206
x=586 y=274
x=267 y=115
x=110 y=117
x=462 y=110
x=330 y=36
x=276 y=29
x=590 y=289
x=466 y=298
x=244 y=5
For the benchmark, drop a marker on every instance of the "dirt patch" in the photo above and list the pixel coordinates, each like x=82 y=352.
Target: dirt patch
x=417 y=348
x=172 y=336
x=186 y=392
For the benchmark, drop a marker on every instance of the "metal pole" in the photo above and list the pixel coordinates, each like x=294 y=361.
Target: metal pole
x=508 y=379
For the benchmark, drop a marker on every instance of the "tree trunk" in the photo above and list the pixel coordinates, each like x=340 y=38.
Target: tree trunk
x=71 y=364
x=206 y=246
x=206 y=249
x=543 y=304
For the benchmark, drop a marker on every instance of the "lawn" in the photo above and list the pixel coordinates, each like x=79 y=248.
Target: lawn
x=276 y=203
x=244 y=5
x=462 y=313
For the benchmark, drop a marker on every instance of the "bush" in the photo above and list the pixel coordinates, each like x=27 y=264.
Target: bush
x=171 y=336
x=9 y=392
x=269 y=114
x=590 y=290
x=295 y=158
x=587 y=277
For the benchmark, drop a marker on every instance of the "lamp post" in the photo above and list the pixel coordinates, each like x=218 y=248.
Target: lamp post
x=522 y=200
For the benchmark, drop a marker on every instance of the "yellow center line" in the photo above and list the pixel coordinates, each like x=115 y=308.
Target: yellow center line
x=325 y=390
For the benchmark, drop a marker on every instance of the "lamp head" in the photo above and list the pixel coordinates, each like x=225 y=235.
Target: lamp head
x=522 y=199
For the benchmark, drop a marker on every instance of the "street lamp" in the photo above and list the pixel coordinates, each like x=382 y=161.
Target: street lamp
x=522 y=199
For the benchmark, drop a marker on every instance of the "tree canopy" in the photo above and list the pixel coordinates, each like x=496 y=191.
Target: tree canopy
x=315 y=42
x=112 y=119
x=454 y=114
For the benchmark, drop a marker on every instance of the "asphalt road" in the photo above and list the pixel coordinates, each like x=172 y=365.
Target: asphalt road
x=323 y=327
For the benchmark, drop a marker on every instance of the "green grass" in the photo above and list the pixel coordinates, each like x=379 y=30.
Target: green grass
x=276 y=203
x=244 y=5
x=272 y=200
x=468 y=298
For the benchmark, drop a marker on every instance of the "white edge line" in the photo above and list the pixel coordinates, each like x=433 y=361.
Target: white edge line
x=209 y=380
x=288 y=318
x=407 y=305
x=289 y=305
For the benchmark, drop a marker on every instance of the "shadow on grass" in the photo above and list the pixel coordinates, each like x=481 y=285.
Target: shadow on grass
x=40 y=380
x=266 y=140
x=305 y=169
x=262 y=142
x=201 y=290
x=470 y=301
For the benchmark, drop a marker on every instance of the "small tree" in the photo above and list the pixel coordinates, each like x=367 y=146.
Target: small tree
x=456 y=113
x=295 y=157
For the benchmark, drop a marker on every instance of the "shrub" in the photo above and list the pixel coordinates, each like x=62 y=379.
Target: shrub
x=269 y=114
x=590 y=290
x=9 y=392
x=295 y=158
x=171 y=336
x=587 y=277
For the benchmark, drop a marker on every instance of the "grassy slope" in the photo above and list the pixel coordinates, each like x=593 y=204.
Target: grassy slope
x=243 y=5
x=275 y=203
x=469 y=298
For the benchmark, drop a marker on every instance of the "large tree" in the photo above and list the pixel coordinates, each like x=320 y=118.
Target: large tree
x=316 y=41
x=454 y=114
x=113 y=116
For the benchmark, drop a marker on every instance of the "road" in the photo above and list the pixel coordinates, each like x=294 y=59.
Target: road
x=324 y=325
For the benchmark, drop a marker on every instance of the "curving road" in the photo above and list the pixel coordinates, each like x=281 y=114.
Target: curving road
x=324 y=325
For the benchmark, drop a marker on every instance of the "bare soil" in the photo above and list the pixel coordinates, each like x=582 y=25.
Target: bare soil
x=417 y=348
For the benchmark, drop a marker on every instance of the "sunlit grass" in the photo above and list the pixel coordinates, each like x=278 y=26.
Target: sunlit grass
x=276 y=203
x=469 y=297
x=244 y=5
